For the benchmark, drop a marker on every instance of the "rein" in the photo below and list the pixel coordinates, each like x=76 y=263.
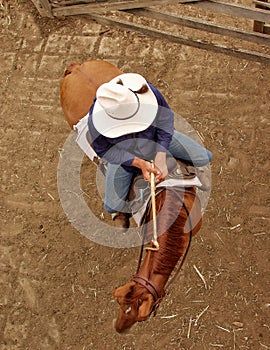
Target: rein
x=152 y=289
x=150 y=286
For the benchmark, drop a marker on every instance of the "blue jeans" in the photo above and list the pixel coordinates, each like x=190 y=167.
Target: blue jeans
x=118 y=180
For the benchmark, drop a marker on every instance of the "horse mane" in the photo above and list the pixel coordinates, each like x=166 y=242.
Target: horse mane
x=171 y=220
x=173 y=239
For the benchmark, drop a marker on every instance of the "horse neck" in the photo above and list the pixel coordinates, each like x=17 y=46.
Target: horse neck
x=146 y=271
x=158 y=265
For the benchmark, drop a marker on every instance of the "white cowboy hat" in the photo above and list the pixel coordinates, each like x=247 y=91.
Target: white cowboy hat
x=124 y=105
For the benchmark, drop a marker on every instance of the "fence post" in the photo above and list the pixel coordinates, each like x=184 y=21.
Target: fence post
x=44 y=7
x=259 y=26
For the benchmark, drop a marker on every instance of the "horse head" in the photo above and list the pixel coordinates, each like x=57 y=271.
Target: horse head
x=136 y=304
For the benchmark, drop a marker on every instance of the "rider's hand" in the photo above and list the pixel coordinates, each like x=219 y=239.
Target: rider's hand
x=146 y=168
x=160 y=163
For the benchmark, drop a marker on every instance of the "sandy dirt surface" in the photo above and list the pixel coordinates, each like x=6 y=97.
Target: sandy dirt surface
x=56 y=285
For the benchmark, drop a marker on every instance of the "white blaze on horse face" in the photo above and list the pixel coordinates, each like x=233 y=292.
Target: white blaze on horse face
x=128 y=310
x=126 y=319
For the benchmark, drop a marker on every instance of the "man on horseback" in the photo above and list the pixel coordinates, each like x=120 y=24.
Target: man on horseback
x=130 y=124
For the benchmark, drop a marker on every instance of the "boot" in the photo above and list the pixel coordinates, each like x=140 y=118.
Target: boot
x=121 y=220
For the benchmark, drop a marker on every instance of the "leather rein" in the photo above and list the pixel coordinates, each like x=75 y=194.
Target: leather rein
x=144 y=281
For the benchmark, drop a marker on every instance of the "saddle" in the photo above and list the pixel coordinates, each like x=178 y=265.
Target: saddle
x=180 y=174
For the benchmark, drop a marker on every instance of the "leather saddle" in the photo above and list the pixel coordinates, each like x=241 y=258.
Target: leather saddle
x=140 y=189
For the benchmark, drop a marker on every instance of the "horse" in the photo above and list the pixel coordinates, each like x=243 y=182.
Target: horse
x=178 y=219
x=79 y=85
x=178 y=210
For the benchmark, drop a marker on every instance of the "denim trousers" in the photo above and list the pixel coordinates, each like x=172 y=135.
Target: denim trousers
x=118 y=180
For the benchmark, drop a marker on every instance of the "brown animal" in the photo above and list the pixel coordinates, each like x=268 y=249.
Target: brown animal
x=78 y=87
x=140 y=296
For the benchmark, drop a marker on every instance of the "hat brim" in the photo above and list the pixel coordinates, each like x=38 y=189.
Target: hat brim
x=144 y=117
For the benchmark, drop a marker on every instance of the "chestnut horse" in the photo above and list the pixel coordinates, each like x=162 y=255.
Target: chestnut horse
x=178 y=210
x=79 y=86
x=178 y=219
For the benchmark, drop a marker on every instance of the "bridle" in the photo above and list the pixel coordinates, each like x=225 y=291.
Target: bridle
x=150 y=286
x=142 y=280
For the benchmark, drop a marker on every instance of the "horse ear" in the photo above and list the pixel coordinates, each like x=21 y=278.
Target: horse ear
x=124 y=290
x=146 y=308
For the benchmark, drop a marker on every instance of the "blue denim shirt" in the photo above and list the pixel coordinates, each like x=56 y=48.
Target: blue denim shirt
x=144 y=144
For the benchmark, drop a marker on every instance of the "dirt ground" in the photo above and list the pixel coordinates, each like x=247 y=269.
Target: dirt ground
x=56 y=285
